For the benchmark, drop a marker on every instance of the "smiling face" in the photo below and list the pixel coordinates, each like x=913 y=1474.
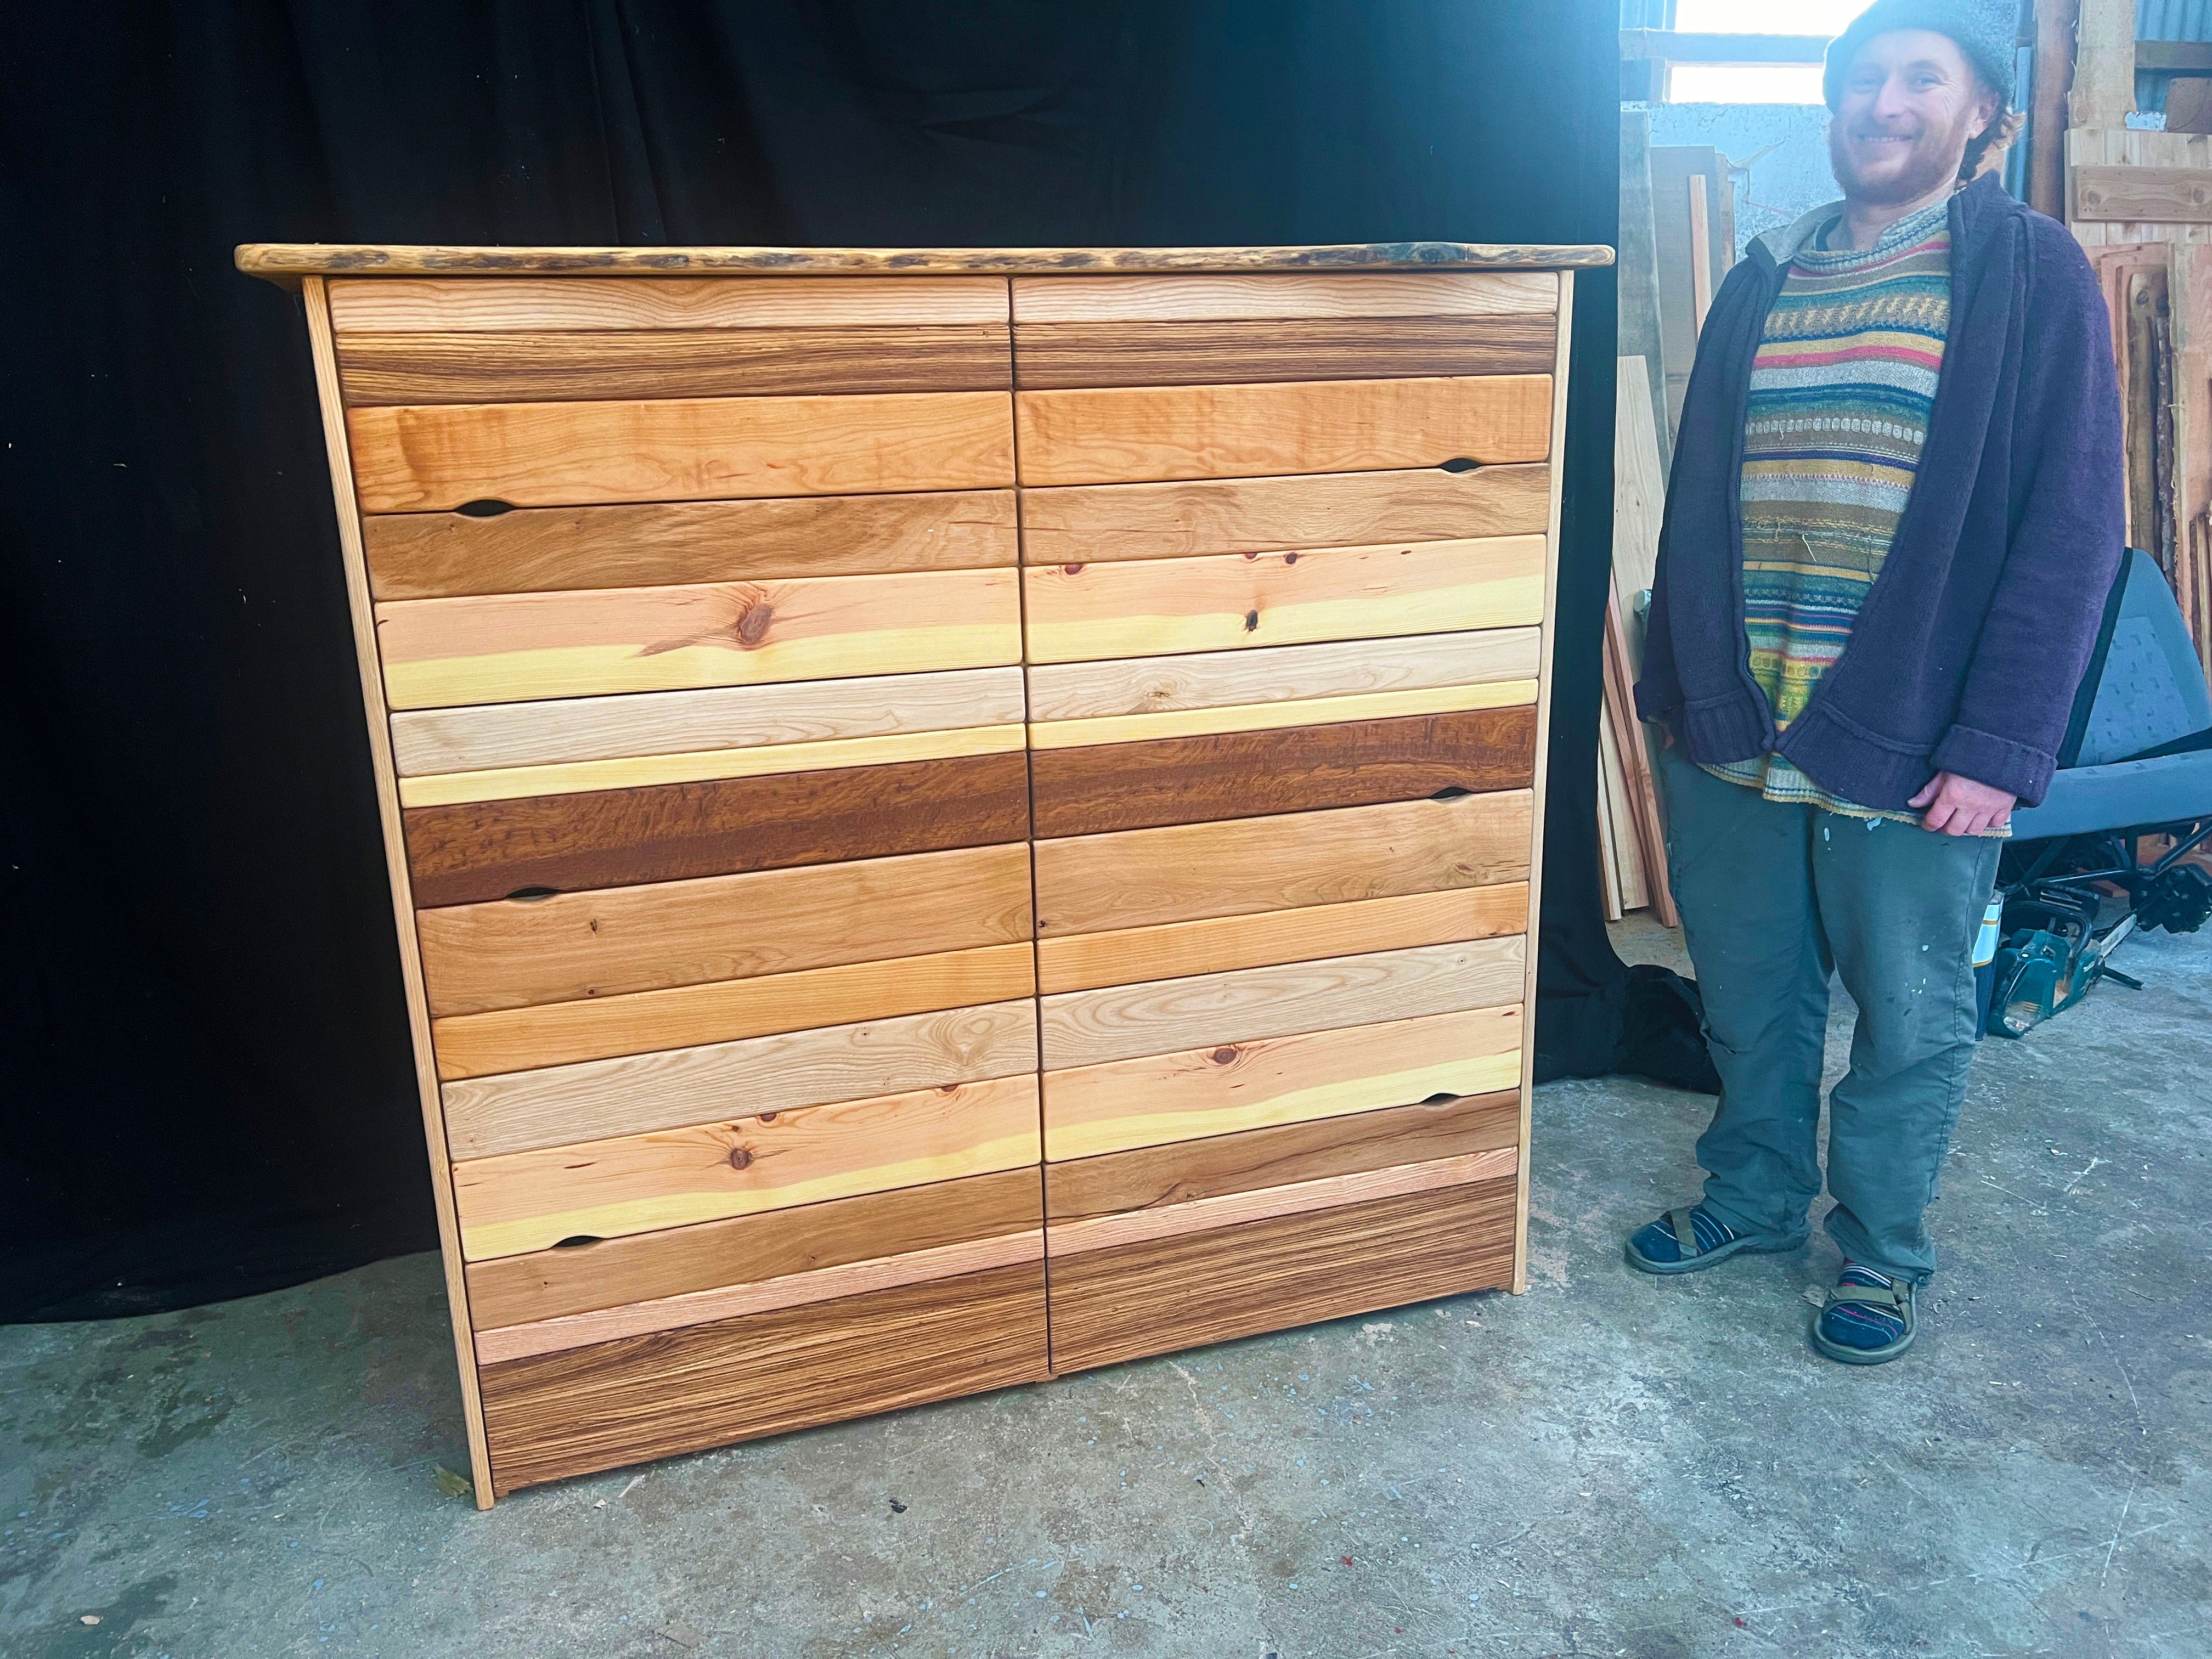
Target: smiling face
x=1911 y=105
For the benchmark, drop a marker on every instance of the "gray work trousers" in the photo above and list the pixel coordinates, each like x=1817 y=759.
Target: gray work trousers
x=1774 y=897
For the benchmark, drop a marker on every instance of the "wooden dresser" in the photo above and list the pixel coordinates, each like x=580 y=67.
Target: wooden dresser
x=953 y=814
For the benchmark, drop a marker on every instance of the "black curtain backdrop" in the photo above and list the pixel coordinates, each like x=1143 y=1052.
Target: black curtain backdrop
x=206 y=1067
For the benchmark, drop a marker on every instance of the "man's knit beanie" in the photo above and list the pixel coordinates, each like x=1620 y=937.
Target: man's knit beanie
x=1986 y=31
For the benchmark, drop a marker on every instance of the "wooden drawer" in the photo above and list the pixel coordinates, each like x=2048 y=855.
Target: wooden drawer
x=552 y=1415
x=1238 y=330
x=1214 y=1282
x=433 y=555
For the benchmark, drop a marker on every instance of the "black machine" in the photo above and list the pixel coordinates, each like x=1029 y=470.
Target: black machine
x=2136 y=765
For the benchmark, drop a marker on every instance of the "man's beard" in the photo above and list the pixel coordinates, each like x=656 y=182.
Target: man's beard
x=1932 y=163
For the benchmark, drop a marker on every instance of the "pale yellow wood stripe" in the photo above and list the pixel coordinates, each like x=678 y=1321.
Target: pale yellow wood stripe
x=516 y=647
x=671 y=1313
x=1135 y=878
x=1295 y=1079
x=429 y=458
x=1228 y=298
x=683 y=1016
x=550 y=732
x=1275 y=716
x=707 y=1171
x=1264 y=674
x=1089 y=1028
x=1222 y=944
x=593 y=1099
x=1149 y=435
x=527 y=304
x=516 y=782
x=1224 y=601
x=1103 y=1232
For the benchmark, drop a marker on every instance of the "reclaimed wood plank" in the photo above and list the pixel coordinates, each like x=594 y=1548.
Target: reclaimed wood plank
x=1135 y=878
x=1163 y=1177
x=1127 y=1022
x=481 y=851
x=1145 y=434
x=1061 y=693
x=1082 y=962
x=1051 y=355
x=616 y=941
x=1365 y=707
x=640 y=1183
x=1105 y=787
x=427 y=741
x=686 y=1016
x=1218 y=602
x=1107 y=1232
x=433 y=456
x=606 y=1272
x=703 y=766
x=568 y=1414
x=2171 y=195
x=561 y=1106
x=1118 y=1305
x=586 y=366
x=1294 y=296
x=433 y=555
x=1158 y=1098
x=511 y=647
x=1090 y=524
x=677 y=1313
x=527 y=304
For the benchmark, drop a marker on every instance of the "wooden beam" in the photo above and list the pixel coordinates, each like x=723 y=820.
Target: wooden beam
x=2192 y=57
x=2104 y=87
x=2055 y=22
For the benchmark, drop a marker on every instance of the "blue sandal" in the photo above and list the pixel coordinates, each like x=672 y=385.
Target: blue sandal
x=1868 y=1319
x=1692 y=1239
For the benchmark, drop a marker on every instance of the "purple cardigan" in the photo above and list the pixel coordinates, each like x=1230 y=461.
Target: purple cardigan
x=1966 y=652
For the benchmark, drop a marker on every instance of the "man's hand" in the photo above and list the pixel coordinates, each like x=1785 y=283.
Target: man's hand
x=1960 y=806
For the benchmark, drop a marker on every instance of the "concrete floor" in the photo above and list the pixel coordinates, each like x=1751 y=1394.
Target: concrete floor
x=1609 y=1465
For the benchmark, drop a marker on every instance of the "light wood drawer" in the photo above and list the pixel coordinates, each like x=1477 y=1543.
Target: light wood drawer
x=1225 y=1087
x=430 y=458
x=950 y=1125
x=1139 y=434
x=1235 y=601
x=431 y=555
x=1138 y=878
x=1093 y=523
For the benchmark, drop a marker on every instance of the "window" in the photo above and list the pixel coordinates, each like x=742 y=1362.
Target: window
x=1744 y=83
x=1765 y=16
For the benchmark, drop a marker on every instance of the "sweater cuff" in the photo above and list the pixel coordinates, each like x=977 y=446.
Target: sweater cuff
x=1998 y=761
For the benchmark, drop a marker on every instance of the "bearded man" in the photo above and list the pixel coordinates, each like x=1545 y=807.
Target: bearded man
x=1895 y=512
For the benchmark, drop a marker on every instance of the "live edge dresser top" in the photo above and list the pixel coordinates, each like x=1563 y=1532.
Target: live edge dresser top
x=954 y=815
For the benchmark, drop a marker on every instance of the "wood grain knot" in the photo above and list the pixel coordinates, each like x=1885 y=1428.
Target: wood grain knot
x=1225 y=1056
x=1071 y=571
x=752 y=627
x=767 y=1117
x=739 y=1158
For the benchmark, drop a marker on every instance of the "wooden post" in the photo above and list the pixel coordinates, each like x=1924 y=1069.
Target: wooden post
x=2055 y=22
x=2103 y=90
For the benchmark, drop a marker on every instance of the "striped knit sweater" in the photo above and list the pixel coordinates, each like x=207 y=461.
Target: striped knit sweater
x=1841 y=390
